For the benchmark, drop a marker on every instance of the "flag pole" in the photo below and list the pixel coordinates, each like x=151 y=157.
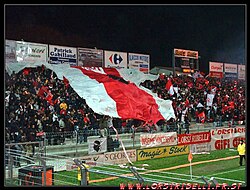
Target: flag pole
x=190 y=157
x=190 y=169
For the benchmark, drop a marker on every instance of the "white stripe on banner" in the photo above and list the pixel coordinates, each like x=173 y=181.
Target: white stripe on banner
x=93 y=92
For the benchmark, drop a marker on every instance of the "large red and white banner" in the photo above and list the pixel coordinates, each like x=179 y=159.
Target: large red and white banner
x=193 y=138
x=113 y=92
x=158 y=139
x=113 y=59
x=241 y=72
x=120 y=97
x=223 y=138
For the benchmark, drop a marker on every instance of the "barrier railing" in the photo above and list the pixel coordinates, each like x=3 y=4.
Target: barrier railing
x=81 y=136
x=20 y=162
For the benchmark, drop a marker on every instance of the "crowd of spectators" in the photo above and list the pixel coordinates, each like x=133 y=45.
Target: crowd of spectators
x=28 y=114
x=190 y=98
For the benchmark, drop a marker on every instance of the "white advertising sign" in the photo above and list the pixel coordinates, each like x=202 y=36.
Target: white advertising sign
x=31 y=52
x=158 y=139
x=10 y=51
x=241 y=72
x=90 y=57
x=199 y=148
x=230 y=68
x=119 y=157
x=113 y=59
x=91 y=160
x=215 y=67
x=62 y=55
x=223 y=138
x=139 y=61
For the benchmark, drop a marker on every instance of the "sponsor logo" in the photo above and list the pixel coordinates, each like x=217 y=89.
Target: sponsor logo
x=160 y=152
x=139 y=57
x=176 y=150
x=63 y=52
x=119 y=156
x=143 y=65
x=152 y=154
x=216 y=67
x=230 y=68
x=143 y=69
x=115 y=59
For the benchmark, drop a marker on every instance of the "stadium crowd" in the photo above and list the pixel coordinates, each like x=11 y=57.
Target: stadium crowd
x=31 y=110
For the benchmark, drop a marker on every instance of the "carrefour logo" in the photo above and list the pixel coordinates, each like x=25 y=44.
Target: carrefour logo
x=115 y=59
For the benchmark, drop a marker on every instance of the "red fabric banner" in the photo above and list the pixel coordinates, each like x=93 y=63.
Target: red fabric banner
x=131 y=101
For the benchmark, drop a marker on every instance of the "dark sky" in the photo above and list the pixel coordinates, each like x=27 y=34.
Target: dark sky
x=216 y=31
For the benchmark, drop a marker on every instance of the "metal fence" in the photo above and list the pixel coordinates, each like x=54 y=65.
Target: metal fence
x=37 y=163
x=81 y=136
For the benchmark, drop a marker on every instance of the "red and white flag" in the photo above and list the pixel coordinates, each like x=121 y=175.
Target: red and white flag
x=45 y=93
x=202 y=117
x=169 y=87
x=111 y=91
x=108 y=91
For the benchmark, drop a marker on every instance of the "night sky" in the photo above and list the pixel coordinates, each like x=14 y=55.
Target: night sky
x=217 y=32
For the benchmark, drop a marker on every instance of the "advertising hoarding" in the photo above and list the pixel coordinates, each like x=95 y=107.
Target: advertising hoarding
x=62 y=55
x=90 y=57
x=158 y=139
x=223 y=138
x=241 y=72
x=161 y=152
x=31 y=52
x=113 y=59
x=10 y=51
x=230 y=70
x=140 y=62
x=216 y=69
x=193 y=138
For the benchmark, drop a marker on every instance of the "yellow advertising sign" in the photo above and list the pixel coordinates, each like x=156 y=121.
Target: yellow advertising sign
x=160 y=152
